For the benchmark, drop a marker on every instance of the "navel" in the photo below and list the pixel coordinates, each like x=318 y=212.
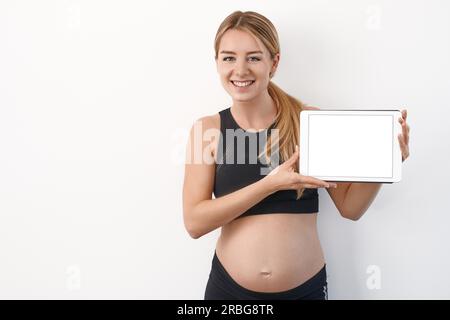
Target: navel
x=266 y=273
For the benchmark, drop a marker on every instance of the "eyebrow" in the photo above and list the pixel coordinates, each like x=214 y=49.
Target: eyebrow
x=232 y=52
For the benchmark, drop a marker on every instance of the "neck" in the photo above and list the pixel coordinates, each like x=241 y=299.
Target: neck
x=256 y=110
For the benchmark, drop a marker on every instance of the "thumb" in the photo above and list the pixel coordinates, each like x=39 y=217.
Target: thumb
x=293 y=159
x=310 y=108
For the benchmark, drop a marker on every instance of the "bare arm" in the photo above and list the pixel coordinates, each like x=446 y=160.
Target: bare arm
x=359 y=196
x=207 y=215
x=201 y=213
x=358 y=199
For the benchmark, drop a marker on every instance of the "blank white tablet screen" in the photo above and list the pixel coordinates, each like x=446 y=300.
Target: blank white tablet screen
x=350 y=146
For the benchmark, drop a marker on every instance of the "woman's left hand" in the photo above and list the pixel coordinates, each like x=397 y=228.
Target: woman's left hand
x=404 y=137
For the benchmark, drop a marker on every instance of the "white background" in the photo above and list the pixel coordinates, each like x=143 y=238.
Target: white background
x=97 y=98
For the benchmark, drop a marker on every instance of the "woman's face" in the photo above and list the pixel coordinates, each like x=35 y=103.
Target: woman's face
x=244 y=65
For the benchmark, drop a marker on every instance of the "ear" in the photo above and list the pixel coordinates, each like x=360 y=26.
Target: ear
x=276 y=60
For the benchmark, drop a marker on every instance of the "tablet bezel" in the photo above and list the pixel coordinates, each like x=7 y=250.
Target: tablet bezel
x=397 y=157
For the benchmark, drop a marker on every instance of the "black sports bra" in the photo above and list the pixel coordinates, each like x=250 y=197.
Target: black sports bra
x=237 y=170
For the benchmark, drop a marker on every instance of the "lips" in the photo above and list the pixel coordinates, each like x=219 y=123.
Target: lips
x=242 y=84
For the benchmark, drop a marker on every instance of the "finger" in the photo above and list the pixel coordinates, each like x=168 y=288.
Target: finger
x=407 y=135
x=310 y=108
x=403 y=114
x=310 y=186
x=305 y=185
x=313 y=181
x=405 y=126
x=405 y=129
x=402 y=146
x=400 y=140
x=403 y=142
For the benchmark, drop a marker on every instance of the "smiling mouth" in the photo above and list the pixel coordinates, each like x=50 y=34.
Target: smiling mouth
x=242 y=84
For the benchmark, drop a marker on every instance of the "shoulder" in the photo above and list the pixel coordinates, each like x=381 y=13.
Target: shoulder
x=209 y=129
x=210 y=121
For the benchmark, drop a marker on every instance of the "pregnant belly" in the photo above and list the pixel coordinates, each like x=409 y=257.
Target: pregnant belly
x=271 y=252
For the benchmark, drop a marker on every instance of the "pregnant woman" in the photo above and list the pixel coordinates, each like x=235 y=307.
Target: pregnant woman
x=269 y=246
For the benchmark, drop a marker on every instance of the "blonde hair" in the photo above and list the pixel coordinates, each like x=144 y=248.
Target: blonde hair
x=288 y=107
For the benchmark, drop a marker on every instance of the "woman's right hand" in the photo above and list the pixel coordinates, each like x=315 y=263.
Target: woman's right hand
x=284 y=177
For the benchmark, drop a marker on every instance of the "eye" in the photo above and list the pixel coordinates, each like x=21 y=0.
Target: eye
x=251 y=58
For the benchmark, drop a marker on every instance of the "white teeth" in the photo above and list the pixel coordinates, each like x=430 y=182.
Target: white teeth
x=242 y=84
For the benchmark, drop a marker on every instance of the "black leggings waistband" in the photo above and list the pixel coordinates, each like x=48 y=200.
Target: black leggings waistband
x=221 y=286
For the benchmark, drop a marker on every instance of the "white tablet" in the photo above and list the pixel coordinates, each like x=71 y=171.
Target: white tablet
x=351 y=145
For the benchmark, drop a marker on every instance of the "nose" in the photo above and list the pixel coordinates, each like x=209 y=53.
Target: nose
x=241 y=68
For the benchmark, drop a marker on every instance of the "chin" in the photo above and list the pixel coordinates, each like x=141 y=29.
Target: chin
x=243 y=97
